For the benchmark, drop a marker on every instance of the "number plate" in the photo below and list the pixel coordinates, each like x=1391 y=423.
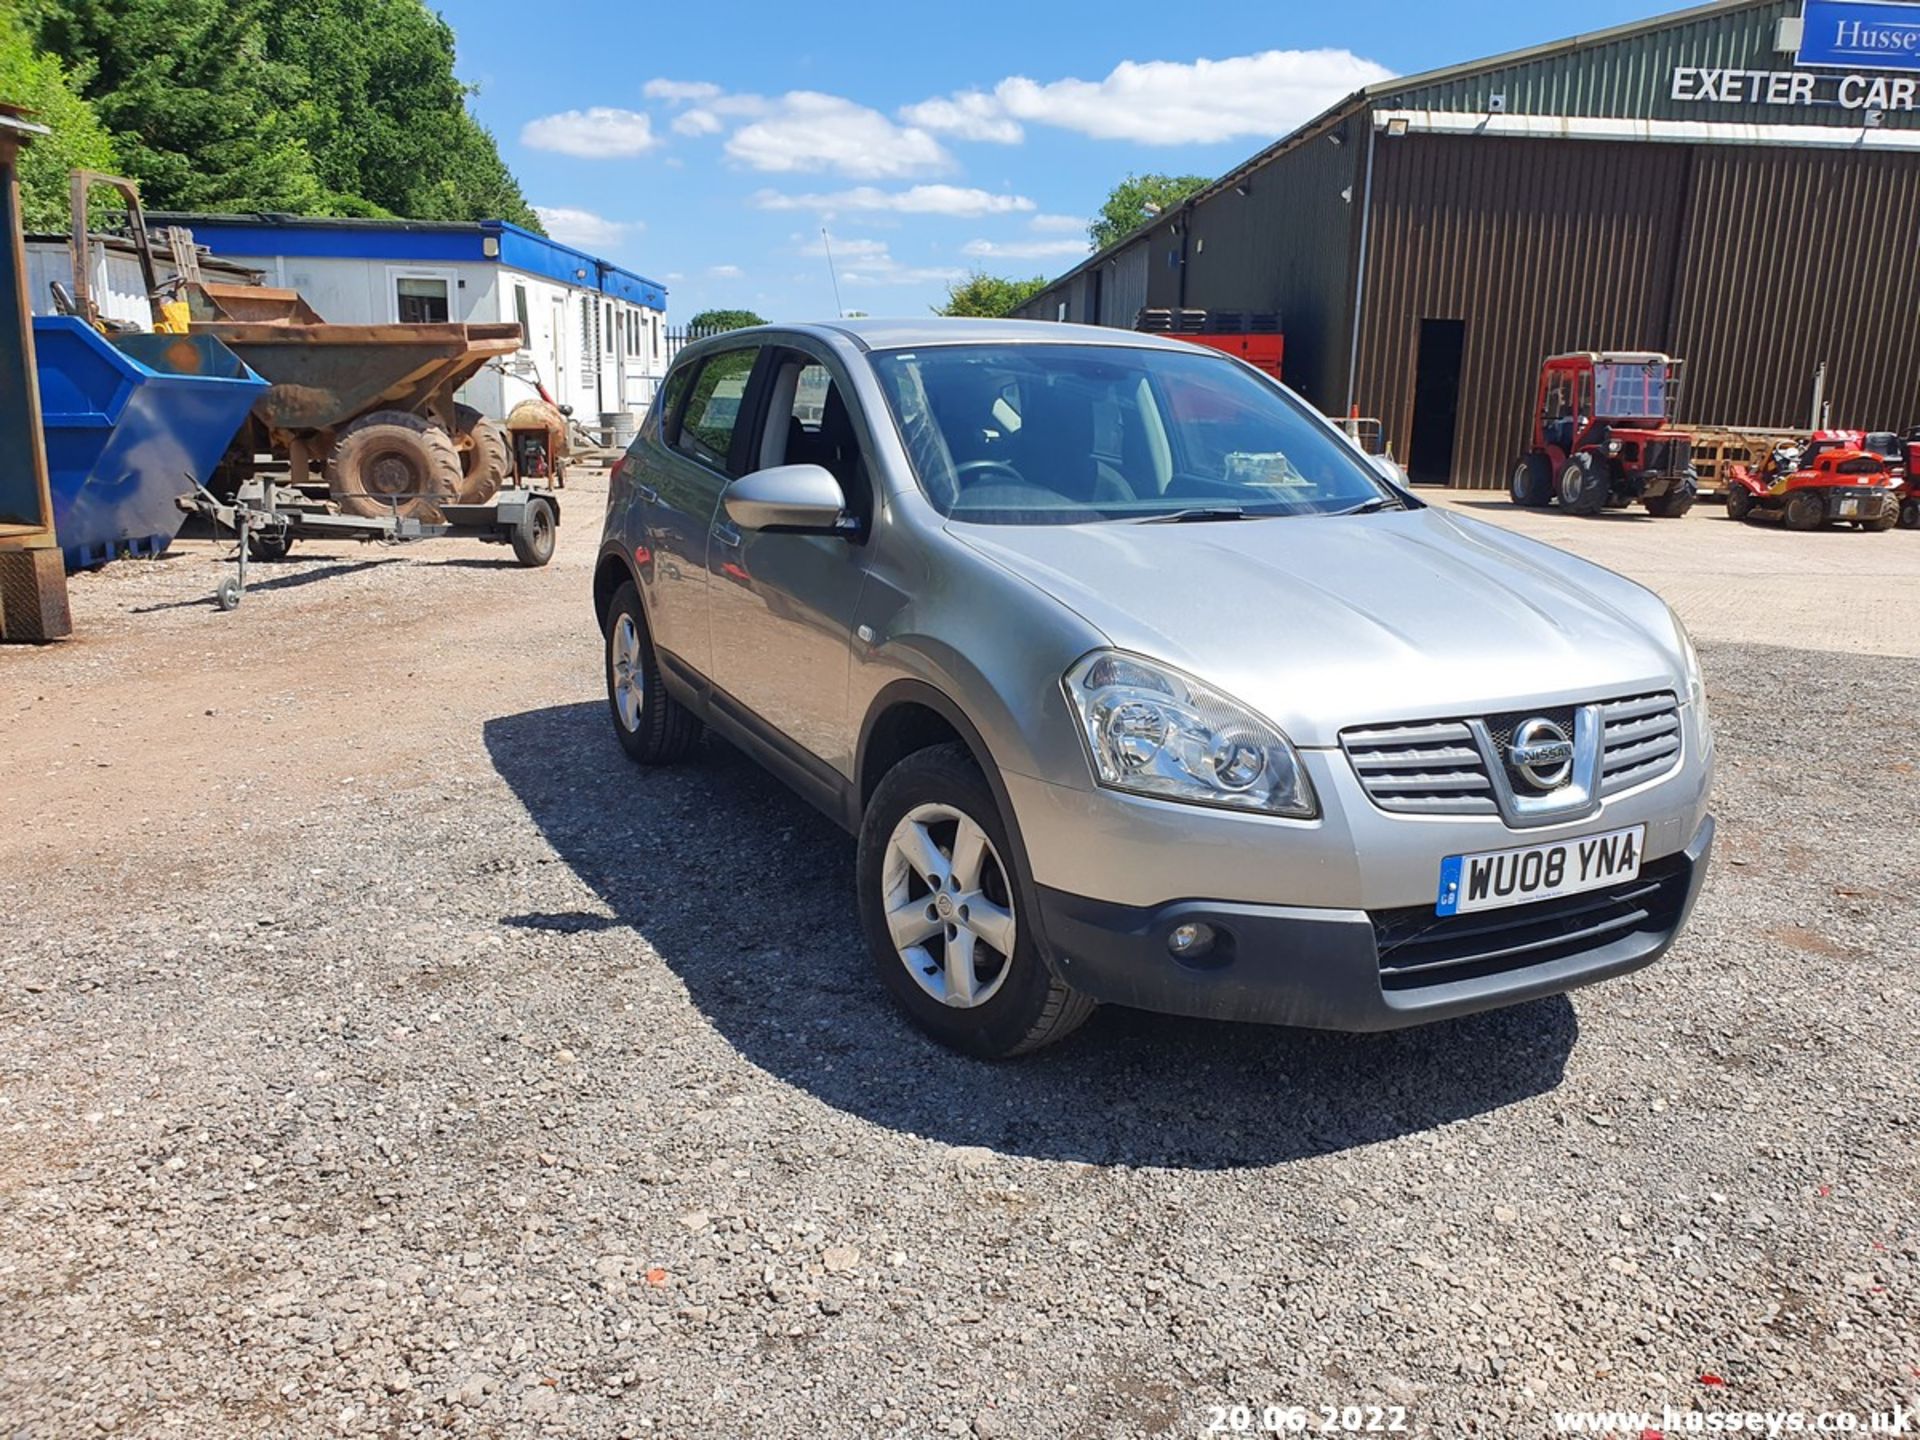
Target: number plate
x=1849 y=507
x=1495 y=878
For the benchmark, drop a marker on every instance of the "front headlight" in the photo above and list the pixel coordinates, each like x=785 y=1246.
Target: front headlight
x=1153 y=731
x=1696 y=685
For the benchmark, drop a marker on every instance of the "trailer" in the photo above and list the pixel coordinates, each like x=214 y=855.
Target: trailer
x=266 y=518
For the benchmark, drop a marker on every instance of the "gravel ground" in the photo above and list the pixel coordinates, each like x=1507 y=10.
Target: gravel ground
x=381 y=1054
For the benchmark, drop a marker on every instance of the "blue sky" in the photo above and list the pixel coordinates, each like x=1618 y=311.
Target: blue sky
x=706 y=145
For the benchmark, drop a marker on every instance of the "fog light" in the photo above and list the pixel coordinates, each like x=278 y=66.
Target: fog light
x=1190 y=941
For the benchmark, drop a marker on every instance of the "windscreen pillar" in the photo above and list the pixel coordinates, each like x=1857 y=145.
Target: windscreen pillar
x=33 y=575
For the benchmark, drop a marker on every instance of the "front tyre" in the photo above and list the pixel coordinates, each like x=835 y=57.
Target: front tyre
x=1584 y=485
x=652 y=726
x=1739 y=502
x=941 y=902
x=1677 y=501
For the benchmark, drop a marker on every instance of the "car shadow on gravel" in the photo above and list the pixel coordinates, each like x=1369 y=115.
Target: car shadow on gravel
x=746 y=894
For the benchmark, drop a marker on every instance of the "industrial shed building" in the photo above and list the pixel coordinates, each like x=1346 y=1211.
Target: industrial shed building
x=1737 y=184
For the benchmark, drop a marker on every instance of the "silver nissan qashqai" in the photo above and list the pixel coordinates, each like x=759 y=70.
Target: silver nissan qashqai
x=1138 y=682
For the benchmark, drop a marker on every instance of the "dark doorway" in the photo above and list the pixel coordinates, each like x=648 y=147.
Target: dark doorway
x=1436 y=401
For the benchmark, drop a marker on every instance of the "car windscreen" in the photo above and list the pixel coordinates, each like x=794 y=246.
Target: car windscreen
x=1027 y=434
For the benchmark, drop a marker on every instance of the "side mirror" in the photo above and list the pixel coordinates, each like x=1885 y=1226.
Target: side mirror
x=787 y=497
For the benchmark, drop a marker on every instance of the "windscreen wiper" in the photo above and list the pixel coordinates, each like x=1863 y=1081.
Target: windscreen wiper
x=1198 y=514
x=1368 y=507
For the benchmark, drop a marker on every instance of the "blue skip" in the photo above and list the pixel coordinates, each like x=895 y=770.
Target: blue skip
x=131 y=423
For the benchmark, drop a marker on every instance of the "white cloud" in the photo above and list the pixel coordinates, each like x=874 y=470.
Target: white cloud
x=808 y=131
x=584 y=228
x=601 y=133
x=958 y=200
x=675 y=91
x=969 y=115
x=852 y=248
x=1166 y=102
x=697 y=122
x=724 y=272
x=1023 y=249
x=1057 y=224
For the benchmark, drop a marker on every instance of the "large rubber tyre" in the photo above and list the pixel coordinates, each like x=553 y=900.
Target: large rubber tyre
x=534 y=536
x=392 y=460
x=652 y=727
x=268 y=547
x=1677 y=501
x=1532 y=483
x=1583 y=487
x=1805 y=511
x=1022 y=1006
x=1910 y=514
x=1739 y=502
x=1886 y=520
x=485 y=464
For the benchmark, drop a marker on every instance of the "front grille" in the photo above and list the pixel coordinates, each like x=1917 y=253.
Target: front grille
x=1435 y=767
x=1641 y=736
x=1430 y=769
x=1419 y=948
x=1668 y=457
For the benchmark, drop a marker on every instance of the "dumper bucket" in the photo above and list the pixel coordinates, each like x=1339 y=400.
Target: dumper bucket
x=131 y=423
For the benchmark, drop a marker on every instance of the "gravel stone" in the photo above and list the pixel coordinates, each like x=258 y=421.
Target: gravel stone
x=420 y=1156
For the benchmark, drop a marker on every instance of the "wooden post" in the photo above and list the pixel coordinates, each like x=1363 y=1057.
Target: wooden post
x=33 y=577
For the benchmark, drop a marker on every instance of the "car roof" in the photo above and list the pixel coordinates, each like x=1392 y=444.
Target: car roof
x=939 y=330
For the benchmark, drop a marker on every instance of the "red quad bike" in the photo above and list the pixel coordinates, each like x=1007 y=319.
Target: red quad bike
x=1835 y=478
x=1602 y=436
x=1910 y=480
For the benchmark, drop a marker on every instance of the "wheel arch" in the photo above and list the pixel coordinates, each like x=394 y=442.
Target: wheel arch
x=611 y=572
x=909 y=715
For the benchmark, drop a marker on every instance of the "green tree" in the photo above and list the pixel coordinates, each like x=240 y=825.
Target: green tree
x=79 y=140
x=989 y=296
x=384 y=115
x=321 y=107
x=713 y=320
x=202 y=115
x=1137 y=198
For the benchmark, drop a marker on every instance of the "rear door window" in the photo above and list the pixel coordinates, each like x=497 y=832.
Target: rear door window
x=713 y=407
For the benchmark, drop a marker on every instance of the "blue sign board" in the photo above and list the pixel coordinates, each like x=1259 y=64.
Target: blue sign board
x=1860 y=35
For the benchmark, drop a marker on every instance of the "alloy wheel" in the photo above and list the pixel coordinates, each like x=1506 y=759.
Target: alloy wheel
x=629 y=675
x=949 y=906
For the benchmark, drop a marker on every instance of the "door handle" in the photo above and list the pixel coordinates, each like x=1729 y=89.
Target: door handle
x=727 y=535
x=647 y=493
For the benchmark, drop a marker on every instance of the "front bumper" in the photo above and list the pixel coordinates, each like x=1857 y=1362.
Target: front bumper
x=1369 y=970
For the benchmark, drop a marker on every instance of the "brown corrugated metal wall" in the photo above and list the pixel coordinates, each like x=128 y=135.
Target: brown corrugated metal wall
x=1752 y=264
x=1537 y=245
x=1286 y=245
x=1793 y=257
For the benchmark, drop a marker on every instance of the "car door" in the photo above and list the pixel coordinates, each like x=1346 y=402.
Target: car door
x=680 y=487
x=782 y=605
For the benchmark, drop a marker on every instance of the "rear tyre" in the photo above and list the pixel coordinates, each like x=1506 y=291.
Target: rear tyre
x=534 y=536
x=1532 y=484
x=268 y=547
x=652 y=727
x=1886 y=520
x=390 y=461
x=942 y=901
x=1805 y=511
x=1910 y=514
x=1584 y=485
x=1739 y=502
x=1677 y=501
x=484 y=462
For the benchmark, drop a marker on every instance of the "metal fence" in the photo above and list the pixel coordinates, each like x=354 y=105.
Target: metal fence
x=686 y=335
